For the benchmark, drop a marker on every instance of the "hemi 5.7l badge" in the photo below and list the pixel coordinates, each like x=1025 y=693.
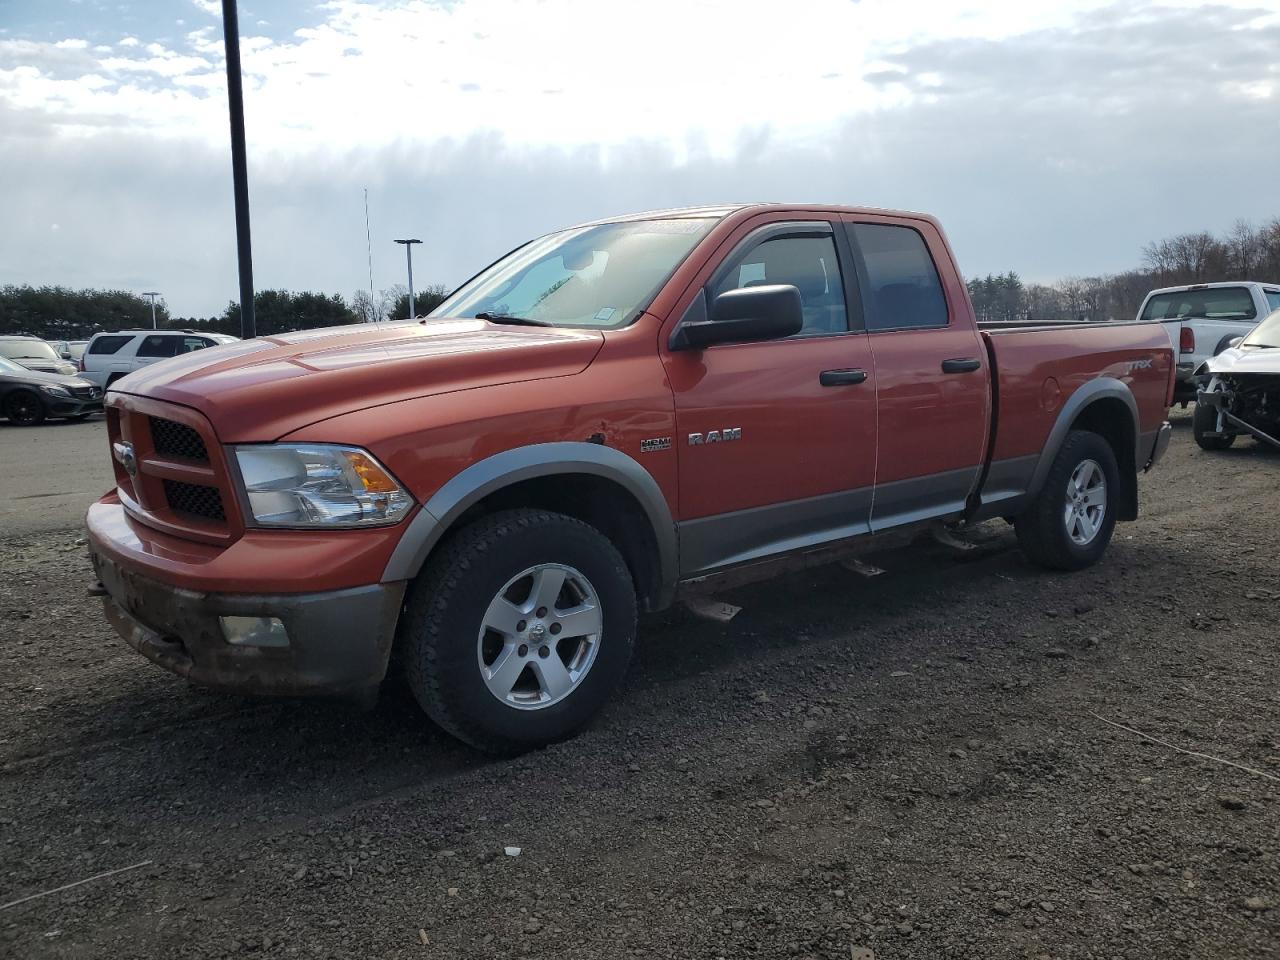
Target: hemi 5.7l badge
x=715 y=436
x=657 y=443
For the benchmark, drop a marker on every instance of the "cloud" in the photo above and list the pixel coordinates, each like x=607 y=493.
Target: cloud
x=1050 y=140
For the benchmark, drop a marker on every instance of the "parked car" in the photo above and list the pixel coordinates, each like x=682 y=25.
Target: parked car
x=34 y=354
x=1204 y=318
x=72 y=350
x=1240 y=390
x=28 y=397
x=109 y=356
x=601 y=421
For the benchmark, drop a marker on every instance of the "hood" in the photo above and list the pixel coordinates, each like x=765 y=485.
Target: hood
x=37 y=376
x=1245 y=360
x=261 y=389
x=42 y=365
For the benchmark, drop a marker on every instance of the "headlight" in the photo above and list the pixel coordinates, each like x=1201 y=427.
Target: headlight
x=303 y=485
x=55 y=390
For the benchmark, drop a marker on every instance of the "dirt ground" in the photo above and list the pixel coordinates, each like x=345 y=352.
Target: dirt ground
x=915 y=765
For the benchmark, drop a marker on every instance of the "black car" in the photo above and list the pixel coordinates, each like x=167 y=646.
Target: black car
x=27 y=397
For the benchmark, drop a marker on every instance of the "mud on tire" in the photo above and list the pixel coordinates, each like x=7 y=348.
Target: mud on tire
x=446 y=637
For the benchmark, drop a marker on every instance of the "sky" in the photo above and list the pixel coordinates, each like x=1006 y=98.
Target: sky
x=1052 y=138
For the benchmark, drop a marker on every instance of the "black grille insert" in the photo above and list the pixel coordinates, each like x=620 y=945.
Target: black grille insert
x=194 y=500
x=172 y=439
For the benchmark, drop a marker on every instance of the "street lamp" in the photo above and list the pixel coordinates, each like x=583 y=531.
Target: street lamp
x=408 y=256
x=152 y=294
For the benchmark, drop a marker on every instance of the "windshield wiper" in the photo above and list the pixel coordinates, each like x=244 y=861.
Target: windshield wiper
x=513 y=321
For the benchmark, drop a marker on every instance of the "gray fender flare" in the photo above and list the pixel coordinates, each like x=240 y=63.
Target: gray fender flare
x=525 y=463
x=1100 y=388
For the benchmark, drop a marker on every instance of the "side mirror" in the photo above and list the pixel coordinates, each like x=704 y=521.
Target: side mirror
x=744 y=315
x=1234 y=342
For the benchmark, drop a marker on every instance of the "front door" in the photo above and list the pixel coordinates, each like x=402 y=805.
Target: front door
x=776 y=439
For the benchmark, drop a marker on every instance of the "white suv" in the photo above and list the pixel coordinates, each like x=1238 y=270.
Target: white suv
x=109 y=356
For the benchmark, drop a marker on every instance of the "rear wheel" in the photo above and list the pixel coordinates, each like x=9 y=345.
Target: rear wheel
x=1069 y=524
x=24 y=409
x=519 y=629
x=1204 y=426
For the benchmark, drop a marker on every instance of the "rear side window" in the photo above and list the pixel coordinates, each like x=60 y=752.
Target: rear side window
x=158 y=346
x=807 y=263
x=193 y=343
x=1218 y=303
x=905 y=291
x=108 y=344
x=1273 y=299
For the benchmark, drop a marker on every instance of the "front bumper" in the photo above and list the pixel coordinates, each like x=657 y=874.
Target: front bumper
x=1163 y=436
x=339 y=640
x=73 y=407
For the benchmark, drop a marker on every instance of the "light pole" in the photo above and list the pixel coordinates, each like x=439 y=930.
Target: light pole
x=152 y=294
x=239 y=172
x=408 y=256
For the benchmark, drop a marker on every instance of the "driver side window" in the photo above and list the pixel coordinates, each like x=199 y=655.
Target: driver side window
x=808 y=263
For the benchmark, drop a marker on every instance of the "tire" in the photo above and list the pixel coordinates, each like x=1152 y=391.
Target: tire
x=23 y=408
x=1204 y=421
x=446 y=644
x=1048 y=529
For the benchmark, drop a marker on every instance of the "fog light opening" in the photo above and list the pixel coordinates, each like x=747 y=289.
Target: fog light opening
x=254 y=631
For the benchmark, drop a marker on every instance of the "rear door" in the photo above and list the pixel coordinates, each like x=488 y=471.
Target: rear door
x=932 y=377
x=155 y=346
x=776 y=439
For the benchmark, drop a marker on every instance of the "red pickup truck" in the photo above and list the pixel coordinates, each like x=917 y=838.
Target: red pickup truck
x=602 y=419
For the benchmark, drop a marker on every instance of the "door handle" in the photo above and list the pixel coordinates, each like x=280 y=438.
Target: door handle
x=842 y=378
x=962 y=365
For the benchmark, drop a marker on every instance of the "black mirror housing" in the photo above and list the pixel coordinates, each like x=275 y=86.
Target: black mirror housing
x=769 y=312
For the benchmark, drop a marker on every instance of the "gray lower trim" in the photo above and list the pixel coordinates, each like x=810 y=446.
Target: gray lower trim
x=339 y=641
x=1005 y=491
x=923 y=498
x=525 y=463
x=1100 y=388
x=728 y=539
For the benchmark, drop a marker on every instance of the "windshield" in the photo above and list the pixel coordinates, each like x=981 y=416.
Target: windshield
x=8 y=366
x=600 y=276
x=1265 y=334
x=1218 y=303
x=27 y=350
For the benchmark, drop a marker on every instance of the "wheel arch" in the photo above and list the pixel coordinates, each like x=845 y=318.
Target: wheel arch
x=1105 y=406
x=591 y=482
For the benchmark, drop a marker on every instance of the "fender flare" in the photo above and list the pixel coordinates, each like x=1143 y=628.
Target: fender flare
x=1100 y=388
x=501 y=470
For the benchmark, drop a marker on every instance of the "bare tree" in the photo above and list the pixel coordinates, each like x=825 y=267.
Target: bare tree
x=1243 y=247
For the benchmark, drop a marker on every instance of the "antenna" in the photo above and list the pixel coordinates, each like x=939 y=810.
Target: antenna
x=368 y=239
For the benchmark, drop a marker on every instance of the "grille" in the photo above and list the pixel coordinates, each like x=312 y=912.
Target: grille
x=194 y=499
x=87 y=393
x=172 y=439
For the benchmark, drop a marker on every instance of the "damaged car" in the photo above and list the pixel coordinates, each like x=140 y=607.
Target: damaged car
x=1239 y=390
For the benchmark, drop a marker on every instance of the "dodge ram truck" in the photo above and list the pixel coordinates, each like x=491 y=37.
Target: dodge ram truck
x=602 y=421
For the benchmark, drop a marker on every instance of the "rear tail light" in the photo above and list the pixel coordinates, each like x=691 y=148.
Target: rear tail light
x=1187 y=341
x=80 y=364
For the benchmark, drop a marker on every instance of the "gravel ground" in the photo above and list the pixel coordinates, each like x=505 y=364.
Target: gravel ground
x=914 y=765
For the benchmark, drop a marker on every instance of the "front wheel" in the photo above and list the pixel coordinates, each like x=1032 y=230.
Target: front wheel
x=1204 y=427
x=1069 y=524
x=24 y=409
x=519 y=629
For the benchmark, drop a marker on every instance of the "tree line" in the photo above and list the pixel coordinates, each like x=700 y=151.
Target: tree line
x=61 y=313
x=1246 y=252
